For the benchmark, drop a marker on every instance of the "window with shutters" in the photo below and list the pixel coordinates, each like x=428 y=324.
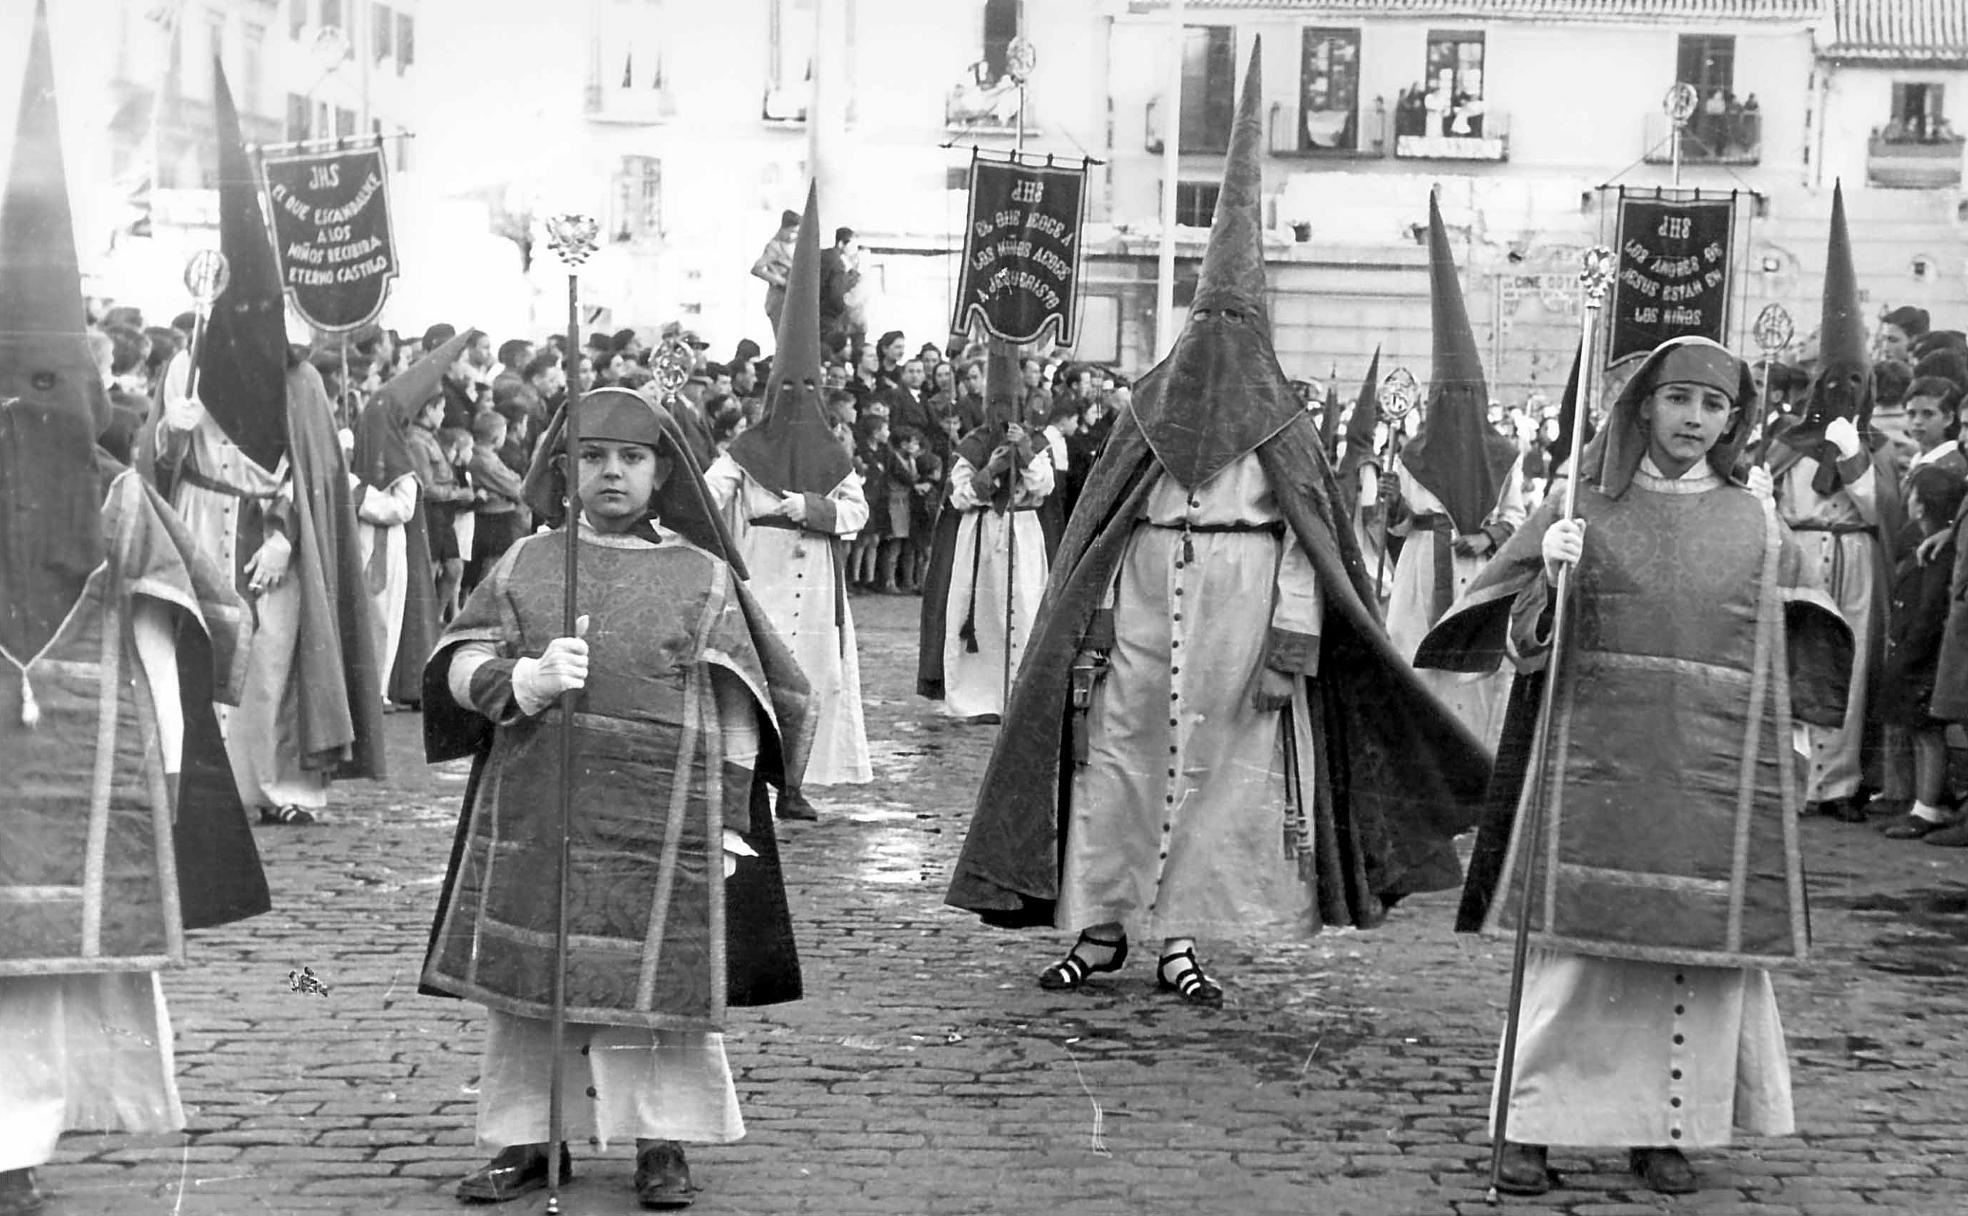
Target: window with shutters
x=1209 y=88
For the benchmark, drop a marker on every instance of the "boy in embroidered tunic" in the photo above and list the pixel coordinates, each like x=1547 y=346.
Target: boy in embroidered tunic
x=1648 y=1018
x=686 y=704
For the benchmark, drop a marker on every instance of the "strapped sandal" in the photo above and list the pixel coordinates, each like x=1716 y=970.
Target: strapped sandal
x=290 y=814
x=1070 y=973
x=1191 y=982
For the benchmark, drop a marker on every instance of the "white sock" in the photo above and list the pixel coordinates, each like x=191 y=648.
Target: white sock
x=1932 y=814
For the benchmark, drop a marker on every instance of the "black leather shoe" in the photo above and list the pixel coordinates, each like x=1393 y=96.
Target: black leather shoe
x=793 y=805
x=1665 y=1170
x=519 y=1169
x=1523 y=1169
x=662 y=1178
x=18 y=1195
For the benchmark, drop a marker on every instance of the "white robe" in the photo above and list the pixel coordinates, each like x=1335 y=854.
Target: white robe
x=1475 y=698
x=797 y=583
x=92 y=1052
x=380 y=519
x=1011 y=565
x=1847 y=565
x=261 y=735
x=1179 y=813
x=1617 y=1054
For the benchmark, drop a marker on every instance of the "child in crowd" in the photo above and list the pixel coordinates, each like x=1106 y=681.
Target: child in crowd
x=898 y=483
x=925 y=505
x=871 y=462
x=501 y=510
x=1913 y=644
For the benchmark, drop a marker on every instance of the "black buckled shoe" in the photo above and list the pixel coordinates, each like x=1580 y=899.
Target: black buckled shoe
x=18 y=1194
x=1665 y=1170
x=519 y=1169
x=662 y=1177
x=1523 y=1169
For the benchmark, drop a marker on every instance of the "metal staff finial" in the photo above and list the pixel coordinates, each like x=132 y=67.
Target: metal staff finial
x=573 y=239
x=206 y=276
x=1595 y=279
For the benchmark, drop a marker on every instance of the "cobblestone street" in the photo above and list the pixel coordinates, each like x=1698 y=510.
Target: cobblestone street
x=927 y=1073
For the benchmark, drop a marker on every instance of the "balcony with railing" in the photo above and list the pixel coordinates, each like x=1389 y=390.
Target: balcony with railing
x=1469 y=132
x=632 y=105
x=1710 y=137
x=1356 y=134
x=1905 y=157
x=976 y=107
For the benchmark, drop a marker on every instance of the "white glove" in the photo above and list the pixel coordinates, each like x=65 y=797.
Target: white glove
x=1564 y=541
x=347 y=438
x=267 y=568
x=734 y=848
x=1760 y=483
x=562 y=667
x=1843 y=436
x=793 y=507
x=183 y=413
x=1369 y=486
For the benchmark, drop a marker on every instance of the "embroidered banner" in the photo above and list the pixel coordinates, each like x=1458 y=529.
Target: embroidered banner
x=1674 y=269
x=1021 y=250
x=331 y=230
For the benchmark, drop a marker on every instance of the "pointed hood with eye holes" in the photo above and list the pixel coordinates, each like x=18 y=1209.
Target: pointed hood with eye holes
x=1843 y=385
x=793 y=449
x=1456 y=456
x=1220 y=392
x=1613 y=456
x=242 y=366
x=52 y=401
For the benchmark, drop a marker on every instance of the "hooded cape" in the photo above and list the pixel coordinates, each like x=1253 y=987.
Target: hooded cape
x=1404 y=775
x=793 y=450
x=50 y=513
x=382 y=456
x=1457 y=456
x=1220 y=392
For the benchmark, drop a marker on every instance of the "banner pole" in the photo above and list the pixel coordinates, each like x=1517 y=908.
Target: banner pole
x=1171 y=174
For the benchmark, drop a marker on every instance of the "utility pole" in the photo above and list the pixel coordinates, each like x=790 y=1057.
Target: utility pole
x=1171 y=174
x=826 y=114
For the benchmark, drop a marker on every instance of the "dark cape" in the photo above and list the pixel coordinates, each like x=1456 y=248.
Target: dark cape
x=220 y=878
x=1405 y=777
x=337 y=659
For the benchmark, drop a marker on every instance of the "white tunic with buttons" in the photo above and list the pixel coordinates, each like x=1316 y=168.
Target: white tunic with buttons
x=1617 y=1054
x=1178 y=816
x=794 y=577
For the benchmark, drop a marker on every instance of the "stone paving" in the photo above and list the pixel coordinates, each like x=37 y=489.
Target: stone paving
x=927 y=1073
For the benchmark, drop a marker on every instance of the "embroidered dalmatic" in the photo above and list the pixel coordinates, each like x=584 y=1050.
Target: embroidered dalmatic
x=1666 y=876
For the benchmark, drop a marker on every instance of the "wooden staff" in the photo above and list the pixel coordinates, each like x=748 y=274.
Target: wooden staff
x=1596 y=277
x=573 y=238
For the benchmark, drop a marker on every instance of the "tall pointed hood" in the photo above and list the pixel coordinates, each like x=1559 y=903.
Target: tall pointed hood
x=382 y=444
x=1365 y=420
x=52 y=403
x=1457 y=456
x=793 y=449
x=242 y=368
x=1843 y=385
x=1560 y=449
x=1329 y=418
x=1220 y=393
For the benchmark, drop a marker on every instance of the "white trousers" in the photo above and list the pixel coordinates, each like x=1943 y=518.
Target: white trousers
x=82 y=1053
x=617 y=1083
